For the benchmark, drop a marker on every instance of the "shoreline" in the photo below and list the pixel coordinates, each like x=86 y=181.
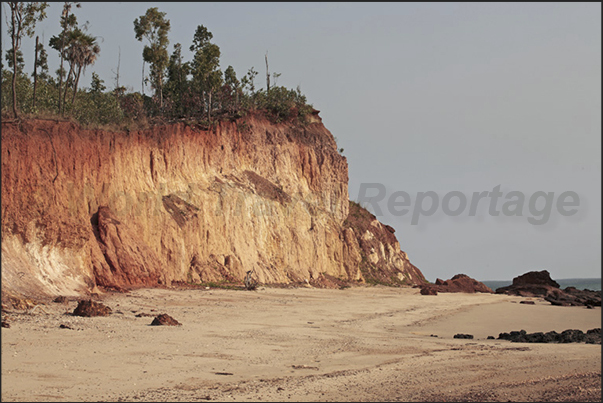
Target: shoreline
x=357 y=344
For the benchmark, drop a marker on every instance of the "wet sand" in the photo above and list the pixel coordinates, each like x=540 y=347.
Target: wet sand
x=302 y=344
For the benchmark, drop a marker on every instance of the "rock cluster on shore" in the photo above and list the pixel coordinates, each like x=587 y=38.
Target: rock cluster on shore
x=592 y=336
x=458 y=283
x=540 y=284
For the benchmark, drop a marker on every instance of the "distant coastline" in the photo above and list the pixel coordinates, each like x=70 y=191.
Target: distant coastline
x=580 y=283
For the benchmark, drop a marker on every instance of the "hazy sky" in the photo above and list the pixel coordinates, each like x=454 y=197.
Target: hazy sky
x=423 y=97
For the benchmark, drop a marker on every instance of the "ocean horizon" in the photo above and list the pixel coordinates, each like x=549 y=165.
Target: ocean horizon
x=593 y=284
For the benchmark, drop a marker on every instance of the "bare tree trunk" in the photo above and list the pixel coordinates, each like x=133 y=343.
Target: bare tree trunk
x=77 y=80
x=209 y=107
x=14 y=38
x=35 y=74
x=143 y=77
x=160 y=96
x=61 y=70
x=180 y=89
x=67 y=86
x=267 y=74
x=117 y=74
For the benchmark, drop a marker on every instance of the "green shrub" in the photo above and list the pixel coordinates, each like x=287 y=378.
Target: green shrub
x=282 y=104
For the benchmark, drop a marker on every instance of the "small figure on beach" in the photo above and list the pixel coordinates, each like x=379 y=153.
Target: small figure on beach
x=250 y=282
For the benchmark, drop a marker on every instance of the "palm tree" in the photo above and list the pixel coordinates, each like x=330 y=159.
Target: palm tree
x=65 y=43
x=81 y=50
x=86 y=50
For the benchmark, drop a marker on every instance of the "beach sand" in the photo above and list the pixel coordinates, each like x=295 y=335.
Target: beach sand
x=299 y=344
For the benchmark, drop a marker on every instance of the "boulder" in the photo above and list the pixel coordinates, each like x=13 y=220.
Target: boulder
x=535 y=278
x=426 y=290
x=571 y=336
x=458 y=283
x=593 y=336
x=165 y=320
x=90 y=308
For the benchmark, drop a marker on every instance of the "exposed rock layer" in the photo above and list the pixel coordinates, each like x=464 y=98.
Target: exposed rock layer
x=82 y=208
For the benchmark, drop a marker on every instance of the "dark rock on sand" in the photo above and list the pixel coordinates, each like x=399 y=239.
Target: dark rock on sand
x=60 y=299
x=540 y=284
x=165 y=320
x=527 y=302
x=593 y=336
x=458 y=283
x=531 y=284
x=90 y=308
x=5 y=324
x=535 y=278
x=463 y=336
x=584 y=297
x=428 y=291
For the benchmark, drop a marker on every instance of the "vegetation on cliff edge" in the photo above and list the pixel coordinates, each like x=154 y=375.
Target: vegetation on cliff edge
x=196 y=90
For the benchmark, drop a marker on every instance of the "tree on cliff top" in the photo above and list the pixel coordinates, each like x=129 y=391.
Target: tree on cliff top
x=40 y=62
x=205 y=67
x=154 y=27
x=23 y=21
x=59 y=43
x=177 y=84
x=82 y=53
x=80 y=50
x=232 y=89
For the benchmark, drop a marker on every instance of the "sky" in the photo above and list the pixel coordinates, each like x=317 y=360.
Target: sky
x=428 y=100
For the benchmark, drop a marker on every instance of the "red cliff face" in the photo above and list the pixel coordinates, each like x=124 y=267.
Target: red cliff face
x=86 y=208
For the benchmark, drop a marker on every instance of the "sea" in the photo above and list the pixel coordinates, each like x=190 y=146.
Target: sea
x=593 y=284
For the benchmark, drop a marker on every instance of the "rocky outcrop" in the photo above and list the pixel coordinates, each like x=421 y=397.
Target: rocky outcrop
x=375 y=251
x=540 y=284
x=89 y=308
x=571 y=296
x=83 y=209
x=458 y=283
x=531 y=284
x=533 y=278
x=592 y=336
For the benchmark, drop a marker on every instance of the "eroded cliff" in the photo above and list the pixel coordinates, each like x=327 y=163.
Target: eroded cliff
x=87 y=208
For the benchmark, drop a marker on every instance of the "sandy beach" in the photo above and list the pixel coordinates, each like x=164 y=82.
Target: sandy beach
x=300 y=344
